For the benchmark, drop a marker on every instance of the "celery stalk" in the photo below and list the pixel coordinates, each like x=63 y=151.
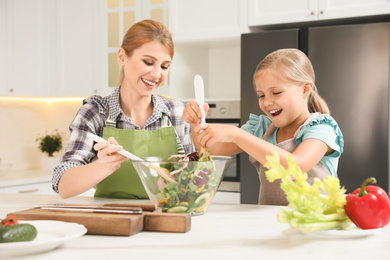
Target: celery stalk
x=311 y=207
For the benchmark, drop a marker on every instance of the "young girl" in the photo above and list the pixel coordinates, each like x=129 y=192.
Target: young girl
x=133 y=116
x=296 y=122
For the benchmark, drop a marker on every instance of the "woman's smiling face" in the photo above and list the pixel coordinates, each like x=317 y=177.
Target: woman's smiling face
x=146 y=68
x=284 y=102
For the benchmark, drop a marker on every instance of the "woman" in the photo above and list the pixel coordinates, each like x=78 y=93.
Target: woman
x=145 y=57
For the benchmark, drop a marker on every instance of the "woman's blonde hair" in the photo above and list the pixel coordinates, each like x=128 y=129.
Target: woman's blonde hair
x=144 y=32
x=294 y=66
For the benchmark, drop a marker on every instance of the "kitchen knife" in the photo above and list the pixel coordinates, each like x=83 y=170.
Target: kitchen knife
x=144 y=207
x=94 y=209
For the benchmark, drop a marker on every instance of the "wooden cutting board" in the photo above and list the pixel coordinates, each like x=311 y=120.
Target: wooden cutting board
x=113 y=224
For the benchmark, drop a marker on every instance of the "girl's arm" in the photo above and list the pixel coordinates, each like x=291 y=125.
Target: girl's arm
x=77 y=180
x=307 y=154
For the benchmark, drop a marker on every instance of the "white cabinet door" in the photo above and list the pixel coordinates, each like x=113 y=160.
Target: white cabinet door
x=23 y=48
x=281 y=11
x=81 y=57
x=3 y=51
x=332 y=9
x=226 y=197
x=204 y=20
x=35 y=188
x=285 y=11
x=53 y=47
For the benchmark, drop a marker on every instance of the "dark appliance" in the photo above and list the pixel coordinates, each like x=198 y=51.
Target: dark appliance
x=351 y=63
x=227 y=112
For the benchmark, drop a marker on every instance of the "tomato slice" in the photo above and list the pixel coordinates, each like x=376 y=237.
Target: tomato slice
x=9 y=221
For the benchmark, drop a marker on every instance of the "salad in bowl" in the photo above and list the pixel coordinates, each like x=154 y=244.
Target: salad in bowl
x=182 y=184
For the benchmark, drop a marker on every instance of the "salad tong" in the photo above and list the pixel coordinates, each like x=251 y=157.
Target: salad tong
x=199 y=97
x=165 y=173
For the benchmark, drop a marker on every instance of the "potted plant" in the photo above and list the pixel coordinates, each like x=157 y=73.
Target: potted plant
x=49 y=144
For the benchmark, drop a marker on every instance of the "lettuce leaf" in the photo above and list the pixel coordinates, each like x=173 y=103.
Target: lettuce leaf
x=312 y=207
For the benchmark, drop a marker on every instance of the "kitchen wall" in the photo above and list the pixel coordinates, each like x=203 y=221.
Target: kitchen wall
x=218 y=64
x=23 y=120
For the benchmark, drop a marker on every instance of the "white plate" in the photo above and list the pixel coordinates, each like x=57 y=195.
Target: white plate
x=352 y=232
x=51 y=234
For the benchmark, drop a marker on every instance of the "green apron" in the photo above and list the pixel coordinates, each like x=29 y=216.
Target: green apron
x=125 y=183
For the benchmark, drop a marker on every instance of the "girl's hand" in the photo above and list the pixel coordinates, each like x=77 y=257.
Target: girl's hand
x=192 y=113
x=210 y=134
x=108 y=155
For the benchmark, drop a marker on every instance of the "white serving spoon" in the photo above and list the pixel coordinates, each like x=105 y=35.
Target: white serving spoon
x=165 y=173
x=199 y=97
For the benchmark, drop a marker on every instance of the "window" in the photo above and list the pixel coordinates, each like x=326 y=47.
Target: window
x=121 y=15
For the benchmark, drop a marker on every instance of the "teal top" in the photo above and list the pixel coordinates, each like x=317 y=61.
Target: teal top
x=322 y=127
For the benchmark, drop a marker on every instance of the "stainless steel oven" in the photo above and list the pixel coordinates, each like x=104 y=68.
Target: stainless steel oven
x=227 y=112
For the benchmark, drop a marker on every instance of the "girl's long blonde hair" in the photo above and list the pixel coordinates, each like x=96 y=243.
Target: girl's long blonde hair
x=294 y=66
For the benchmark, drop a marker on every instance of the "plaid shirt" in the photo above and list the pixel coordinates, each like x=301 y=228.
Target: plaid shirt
x=92 y=118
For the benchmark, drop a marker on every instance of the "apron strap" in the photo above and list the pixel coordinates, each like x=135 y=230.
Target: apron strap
x=165 y=122
x=109 y=121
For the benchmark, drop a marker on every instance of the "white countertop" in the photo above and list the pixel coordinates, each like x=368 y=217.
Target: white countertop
x=224 y=232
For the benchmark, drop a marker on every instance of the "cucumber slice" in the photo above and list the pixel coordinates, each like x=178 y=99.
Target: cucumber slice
x=18 y=233
x=202 y=198
x=177 y=209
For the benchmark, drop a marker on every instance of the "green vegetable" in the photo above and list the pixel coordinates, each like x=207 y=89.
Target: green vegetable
x=177 y=209
x=314 y=207
x=202 y=198
x=17 y=233
x=194 y=183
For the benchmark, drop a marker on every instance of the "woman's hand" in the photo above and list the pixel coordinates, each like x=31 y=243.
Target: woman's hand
x=108 y=155
x=192 y=113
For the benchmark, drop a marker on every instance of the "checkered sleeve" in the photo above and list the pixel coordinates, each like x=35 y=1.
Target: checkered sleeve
x=79 y=150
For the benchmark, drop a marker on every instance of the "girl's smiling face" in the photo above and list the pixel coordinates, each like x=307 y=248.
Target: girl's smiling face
x=146 y=68
x=283 y=101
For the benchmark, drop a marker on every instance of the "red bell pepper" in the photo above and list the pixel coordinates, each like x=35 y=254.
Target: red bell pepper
x=368 y=206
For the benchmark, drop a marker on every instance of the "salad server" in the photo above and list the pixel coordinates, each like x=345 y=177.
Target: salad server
x=165 y=173
x=199 y=97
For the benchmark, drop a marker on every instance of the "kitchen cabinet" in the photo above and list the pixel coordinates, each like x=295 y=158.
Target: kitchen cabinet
x=226 y=197
x=207 y=42
x=26 y=182
x=203 y=20
x=33 y=188
x=285 y=11
x=3 y=51
x=53 y=48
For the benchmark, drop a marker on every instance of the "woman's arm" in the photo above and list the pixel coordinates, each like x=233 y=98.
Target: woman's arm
x=79 y=179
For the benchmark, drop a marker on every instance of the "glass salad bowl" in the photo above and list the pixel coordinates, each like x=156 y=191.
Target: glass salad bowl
x=178 y=185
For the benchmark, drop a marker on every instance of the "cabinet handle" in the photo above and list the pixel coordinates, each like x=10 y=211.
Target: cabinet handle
x=312 y=13
x=28 y=191
x=321 y=12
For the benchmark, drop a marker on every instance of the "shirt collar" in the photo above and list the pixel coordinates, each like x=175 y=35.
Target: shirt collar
x=159 y=107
